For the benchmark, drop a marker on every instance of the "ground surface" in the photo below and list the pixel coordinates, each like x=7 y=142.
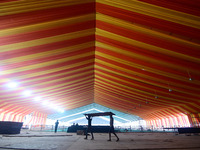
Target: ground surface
x=30 y=140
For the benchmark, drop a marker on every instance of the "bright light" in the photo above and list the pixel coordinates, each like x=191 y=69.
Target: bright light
x=61 y=110
x=56 y=107
x=77 y=113
x=27 y=93
x=76 y=119
x=51 y=105
x=88 y=111
x=37 y=98
x=12 y=84
x=44 y=102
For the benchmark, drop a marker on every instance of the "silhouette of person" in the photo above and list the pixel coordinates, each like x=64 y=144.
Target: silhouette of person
x=56 y=126
x=89 y=128
x=112 y=130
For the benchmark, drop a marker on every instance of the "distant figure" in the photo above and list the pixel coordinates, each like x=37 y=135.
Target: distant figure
x=141 y=128
x=89 y=128
x=112 y=130
x=56 y=126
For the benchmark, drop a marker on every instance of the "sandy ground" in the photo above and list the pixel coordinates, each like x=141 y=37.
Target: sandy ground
x=32 y=140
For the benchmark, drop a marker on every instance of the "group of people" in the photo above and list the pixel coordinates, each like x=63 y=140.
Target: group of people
x=89 y=128
x=111 y=130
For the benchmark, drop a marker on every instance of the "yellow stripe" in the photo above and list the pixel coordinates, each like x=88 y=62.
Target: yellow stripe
x=71 y=99
x=139 y=74
x=155 y=11
x=77 y=105
x=62 y=79
x=171 y=100
x=16 y=95
x=116 y=108
x=82 y=80
x=130 y=89
x=112 y=99
x=68 y=90
x=146 y=59
x=51 y=76
x=144 y=30
x=127 y=96
x=128 y=63
x=47 y=40
x=32 y=5
x=144 y=45
x=54 y=81
x=49 y=53
x=45 y=64
x=146 y=82
x=46 y=25
x=55 y=69
x=69 y=87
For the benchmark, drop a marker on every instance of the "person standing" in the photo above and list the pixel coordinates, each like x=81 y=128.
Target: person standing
x=56 y=126
x=112 y=130
x=89 y=128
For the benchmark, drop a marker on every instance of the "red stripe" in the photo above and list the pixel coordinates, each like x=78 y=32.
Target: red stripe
x=55 y=78
x=152 y=105
x=107 y=103
x=89 y=75
x=87 y=84
x=66 y=63
x=146 y=63
x=170 y=45
x=147 y=53
x=137 y=98
x=47 y=33
x=86 y=94
x=78 y=103
x=147 y=72
x=45 y=47
x=58 y=72
x=5 y=1
x=70 y=92
x=112 y=88
x=18 y=99
x=120 y=98
x=148 y=21
x=135 y=93
x=190 y=7
x=145 y=79
x=46 y=59
x=141 y=86
x=34 y=17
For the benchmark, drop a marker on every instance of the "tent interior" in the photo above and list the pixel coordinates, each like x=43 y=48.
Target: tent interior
x=139 y=59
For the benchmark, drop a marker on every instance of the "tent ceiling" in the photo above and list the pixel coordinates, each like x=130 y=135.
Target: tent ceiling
x=134 y=56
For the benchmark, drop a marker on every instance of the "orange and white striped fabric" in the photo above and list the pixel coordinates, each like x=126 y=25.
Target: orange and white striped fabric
x=180 y=120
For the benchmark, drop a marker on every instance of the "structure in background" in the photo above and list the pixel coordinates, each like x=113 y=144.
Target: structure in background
x=89 y=127
x=8 y=127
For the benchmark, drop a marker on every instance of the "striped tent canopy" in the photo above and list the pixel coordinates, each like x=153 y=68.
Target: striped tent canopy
x=140 y=57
